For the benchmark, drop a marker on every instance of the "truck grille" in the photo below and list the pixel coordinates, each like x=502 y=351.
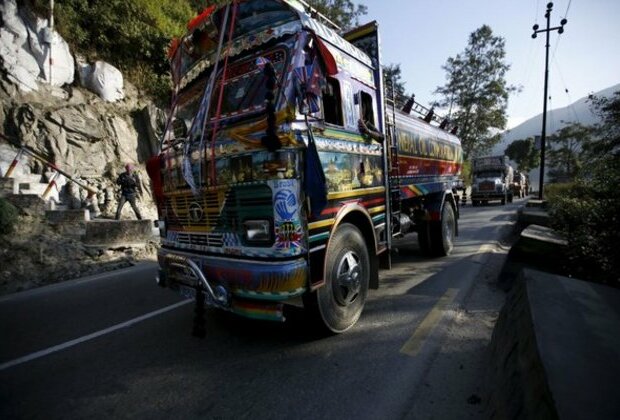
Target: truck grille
x=199 y=239
x=204 y=220
x=487 y=186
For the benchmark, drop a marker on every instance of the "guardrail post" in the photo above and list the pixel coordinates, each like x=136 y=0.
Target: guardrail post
x=51 y=184
x=9 y=171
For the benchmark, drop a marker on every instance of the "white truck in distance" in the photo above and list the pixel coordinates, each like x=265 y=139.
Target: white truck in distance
x=492 y=177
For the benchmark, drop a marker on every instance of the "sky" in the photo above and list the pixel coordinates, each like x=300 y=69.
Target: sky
x=421 y=35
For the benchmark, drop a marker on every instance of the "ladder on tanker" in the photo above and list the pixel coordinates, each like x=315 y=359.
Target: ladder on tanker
x=393 y=167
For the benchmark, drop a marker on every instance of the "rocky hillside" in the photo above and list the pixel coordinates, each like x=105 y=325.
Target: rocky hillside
x=78 y=132
x=86 y=119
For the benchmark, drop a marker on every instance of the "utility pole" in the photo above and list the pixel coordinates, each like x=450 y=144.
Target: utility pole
x=543 y=136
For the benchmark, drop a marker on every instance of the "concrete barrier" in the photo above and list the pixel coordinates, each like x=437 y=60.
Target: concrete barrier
x=516 y=378
x=537 y=247
x=56 y=217
x=532 y=216
x=28 y=204
x=532 y=202
x=105 y=233
x=555 y=350
x=68 y=222
x=8 y=186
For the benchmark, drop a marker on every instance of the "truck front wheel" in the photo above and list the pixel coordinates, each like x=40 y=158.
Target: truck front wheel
x=347 y=274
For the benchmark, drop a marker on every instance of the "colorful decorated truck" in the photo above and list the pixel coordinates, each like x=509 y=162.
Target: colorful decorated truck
x=285 y=174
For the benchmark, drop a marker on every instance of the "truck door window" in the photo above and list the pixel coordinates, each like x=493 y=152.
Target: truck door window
x=367 y=112
x=332 y=102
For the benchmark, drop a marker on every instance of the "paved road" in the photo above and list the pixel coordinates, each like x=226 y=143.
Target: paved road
x=116 y=346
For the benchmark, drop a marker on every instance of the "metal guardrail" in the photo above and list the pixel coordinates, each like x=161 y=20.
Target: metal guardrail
x=53 y=167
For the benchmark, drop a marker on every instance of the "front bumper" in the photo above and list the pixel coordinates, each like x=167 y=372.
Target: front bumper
x=251 y=288
x=487 y=195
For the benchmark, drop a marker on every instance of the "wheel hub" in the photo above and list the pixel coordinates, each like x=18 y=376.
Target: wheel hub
x=348 y=280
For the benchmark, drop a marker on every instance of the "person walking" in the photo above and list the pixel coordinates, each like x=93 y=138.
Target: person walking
x=130 y=184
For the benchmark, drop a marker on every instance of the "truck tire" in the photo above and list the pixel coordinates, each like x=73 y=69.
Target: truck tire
x=347 y=273
x=442 y=233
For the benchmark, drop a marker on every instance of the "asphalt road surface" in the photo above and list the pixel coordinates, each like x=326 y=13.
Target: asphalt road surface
x=118 y=346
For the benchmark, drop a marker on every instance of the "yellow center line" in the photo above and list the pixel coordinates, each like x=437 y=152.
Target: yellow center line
x=414 y=344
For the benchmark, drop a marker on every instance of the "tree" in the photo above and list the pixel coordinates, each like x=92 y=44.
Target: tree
x=392 y=74
x=602 y=151
x=476 y=91
x=343 y=13
x=565 y=152
x=608 y=131
x=524 y=153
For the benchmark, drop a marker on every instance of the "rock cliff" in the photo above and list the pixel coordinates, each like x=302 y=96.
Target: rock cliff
x=86 y=120
x=87 y=134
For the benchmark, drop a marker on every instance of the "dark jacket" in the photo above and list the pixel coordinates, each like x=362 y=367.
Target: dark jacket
x=130 y=183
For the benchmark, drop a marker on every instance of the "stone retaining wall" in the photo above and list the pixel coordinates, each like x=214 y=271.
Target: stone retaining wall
x=117 y=232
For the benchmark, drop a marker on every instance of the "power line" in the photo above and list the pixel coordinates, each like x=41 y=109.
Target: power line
x=567 y=8
x=570 y=99
x=557 y=41
x=557 y=66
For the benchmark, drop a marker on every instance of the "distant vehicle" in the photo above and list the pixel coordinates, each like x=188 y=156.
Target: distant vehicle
x=519 y=185
x=492 y=180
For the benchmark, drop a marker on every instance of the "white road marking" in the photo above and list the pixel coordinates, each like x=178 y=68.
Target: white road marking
x=59 y=347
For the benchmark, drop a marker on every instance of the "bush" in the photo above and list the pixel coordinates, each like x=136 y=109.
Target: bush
x=8 y=217
x=559 y=190
x=589 y=219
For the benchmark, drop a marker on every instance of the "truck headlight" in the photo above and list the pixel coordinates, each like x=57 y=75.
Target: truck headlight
x=258 y=231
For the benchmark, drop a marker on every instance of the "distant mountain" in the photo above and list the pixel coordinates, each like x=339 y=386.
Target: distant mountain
x=578 y=111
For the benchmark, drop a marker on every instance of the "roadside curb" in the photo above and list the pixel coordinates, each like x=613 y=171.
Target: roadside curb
x=536 y=247
x=553 y=345
x=516 y=375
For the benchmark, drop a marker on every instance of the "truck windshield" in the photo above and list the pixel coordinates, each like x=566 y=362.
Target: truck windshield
x=488 y=174
x=244 y=88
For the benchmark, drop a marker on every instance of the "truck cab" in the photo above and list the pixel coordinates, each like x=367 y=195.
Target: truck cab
x=492 y=180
